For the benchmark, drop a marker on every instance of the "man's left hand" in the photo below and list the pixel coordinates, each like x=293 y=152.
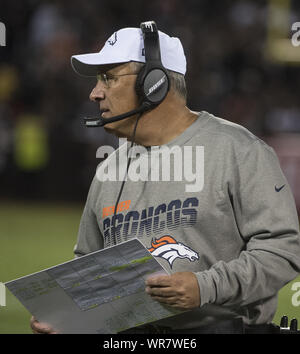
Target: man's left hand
x=180 y=290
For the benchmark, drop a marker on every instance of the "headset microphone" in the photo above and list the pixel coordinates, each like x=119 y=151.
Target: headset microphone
x=100 y=122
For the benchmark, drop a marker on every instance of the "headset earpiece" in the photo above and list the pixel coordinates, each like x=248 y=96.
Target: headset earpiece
x=152 y=85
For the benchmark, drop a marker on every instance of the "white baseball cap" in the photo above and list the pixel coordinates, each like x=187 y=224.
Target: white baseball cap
x=127 y=45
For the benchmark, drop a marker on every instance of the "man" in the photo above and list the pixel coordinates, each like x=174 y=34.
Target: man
x=238 y=225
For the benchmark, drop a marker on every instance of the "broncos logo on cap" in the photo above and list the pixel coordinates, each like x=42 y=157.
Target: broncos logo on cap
x=112 y=40
x=168 y=248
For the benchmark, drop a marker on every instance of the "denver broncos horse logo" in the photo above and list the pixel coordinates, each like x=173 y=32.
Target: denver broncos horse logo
x=168 y=248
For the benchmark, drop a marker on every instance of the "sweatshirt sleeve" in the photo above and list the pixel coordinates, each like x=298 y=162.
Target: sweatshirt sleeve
x=89 y=237
x=266 y=216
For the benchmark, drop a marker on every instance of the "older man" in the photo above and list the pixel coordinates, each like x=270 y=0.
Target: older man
x=239 y=226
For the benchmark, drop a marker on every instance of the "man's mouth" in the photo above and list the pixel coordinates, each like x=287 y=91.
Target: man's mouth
x=103 y=112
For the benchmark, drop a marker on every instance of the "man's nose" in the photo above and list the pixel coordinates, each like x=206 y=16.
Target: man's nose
x=97 y=93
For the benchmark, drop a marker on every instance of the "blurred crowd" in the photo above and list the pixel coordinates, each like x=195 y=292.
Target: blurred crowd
x=45 y=151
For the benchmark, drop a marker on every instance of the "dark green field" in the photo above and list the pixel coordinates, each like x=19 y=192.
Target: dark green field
x=36 y=236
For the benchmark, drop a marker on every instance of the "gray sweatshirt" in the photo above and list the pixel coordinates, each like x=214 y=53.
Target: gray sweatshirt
x=224 y=212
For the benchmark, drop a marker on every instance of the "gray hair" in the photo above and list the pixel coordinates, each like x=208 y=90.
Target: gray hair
x=177 y=81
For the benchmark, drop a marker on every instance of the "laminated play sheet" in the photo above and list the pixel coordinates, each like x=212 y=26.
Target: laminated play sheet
x=102 y=292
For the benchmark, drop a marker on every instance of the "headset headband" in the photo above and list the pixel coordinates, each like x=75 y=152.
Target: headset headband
x=151 y=42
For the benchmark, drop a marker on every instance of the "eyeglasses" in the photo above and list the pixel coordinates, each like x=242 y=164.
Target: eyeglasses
x=108 y=79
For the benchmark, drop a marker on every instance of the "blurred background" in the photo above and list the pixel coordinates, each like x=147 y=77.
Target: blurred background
x=242 y=66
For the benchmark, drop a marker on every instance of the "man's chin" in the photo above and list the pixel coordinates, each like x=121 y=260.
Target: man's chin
x=111 y=128
x=120 y=128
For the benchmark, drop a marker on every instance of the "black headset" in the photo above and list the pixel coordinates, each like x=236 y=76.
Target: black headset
x=152 y=83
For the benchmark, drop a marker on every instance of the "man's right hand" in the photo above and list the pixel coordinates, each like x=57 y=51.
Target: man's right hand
x=40 y=327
